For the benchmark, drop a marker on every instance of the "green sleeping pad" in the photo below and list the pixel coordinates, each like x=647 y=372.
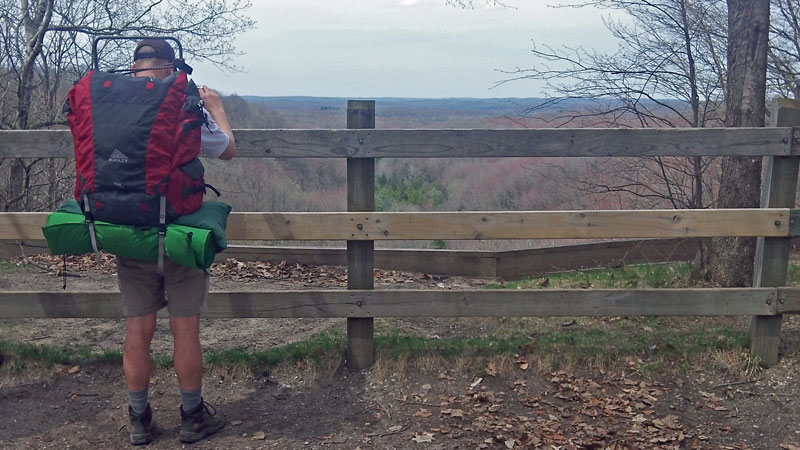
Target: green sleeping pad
x=193 y=240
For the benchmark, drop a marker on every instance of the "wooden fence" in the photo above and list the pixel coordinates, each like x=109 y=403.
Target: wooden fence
x=506 y=265
x=775 y=223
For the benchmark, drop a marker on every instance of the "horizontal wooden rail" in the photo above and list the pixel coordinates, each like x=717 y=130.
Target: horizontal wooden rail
x=788 y=301
x=663 y=223
x=508 y=265
x=581 y=142
x=423 y=303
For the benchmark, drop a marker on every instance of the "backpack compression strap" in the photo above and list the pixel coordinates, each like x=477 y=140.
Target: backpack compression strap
x=162 y=232
x=90 y=223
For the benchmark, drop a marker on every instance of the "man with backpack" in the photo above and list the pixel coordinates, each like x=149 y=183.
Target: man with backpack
x=181 y=289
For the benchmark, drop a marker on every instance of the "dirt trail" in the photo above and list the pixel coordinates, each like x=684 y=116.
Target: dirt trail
x=496 y=403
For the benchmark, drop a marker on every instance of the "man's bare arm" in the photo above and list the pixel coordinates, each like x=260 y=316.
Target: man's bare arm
x=213 y=104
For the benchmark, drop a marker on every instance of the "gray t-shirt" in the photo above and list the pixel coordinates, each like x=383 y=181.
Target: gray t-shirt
x=213 y=141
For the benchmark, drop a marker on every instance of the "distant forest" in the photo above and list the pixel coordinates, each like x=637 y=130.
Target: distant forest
x=419 y=184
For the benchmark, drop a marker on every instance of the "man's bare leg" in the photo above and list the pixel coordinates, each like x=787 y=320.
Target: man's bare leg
x=136 y=362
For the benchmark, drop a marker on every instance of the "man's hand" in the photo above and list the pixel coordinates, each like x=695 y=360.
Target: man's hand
x=211 y=100
x=213 y=104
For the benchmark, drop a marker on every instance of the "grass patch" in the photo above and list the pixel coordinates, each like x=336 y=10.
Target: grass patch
x=397 y=344
x=671 y=275
x=556 y=342
x=313 y=348
x=595 y=343
x=20 y=355
x=9 y=266
x=611 y=346
x=793 y=274
x=330 y=342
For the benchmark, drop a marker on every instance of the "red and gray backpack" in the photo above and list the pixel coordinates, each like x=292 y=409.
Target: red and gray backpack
x=137 y=142
x=136 y=146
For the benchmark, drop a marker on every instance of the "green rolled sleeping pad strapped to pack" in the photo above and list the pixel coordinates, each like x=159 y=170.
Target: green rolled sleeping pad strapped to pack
x=192 y=240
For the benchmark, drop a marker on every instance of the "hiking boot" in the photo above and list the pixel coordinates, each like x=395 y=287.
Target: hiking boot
x=200 y=423
x=141 y=426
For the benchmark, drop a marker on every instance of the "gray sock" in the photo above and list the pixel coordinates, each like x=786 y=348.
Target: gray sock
x=190 y=399
x=138 y=401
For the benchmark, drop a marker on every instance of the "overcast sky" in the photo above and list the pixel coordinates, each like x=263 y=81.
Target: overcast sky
x=398 y=48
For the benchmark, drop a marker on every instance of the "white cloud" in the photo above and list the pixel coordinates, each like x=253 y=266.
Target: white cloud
x=409 y=2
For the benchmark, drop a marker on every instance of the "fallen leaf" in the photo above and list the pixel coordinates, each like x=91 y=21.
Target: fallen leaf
x=509 y=443
x=422 y=413
x=259 y=436
x=671 y=422
x=236 y=422
x=491 y=369
x=426 y=387
x=395 y=428
x=523 y=363
x=476 y=382
x=74 y=369
x=457 y=413
x=420 y=438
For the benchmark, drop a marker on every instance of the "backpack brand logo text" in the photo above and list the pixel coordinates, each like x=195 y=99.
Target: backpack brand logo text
x=117 y=157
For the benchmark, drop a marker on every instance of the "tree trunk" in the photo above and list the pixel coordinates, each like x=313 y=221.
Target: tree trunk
x=731 y=259
x=36 y=20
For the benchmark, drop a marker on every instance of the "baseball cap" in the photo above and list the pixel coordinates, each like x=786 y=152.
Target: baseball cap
x=161 y=50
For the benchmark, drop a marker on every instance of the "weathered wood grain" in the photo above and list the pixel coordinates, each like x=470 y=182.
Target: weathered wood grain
x=360 y=254
x=511 y=225
x=772 y=253
x=419 y=303
x=788 y=300
x=583 y=142
x=366 y=226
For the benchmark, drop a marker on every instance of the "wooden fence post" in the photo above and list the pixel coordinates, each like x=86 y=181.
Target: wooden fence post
x=360 y=254
x=772 y=253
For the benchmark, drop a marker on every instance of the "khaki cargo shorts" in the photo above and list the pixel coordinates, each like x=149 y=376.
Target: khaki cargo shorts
x=183 y=290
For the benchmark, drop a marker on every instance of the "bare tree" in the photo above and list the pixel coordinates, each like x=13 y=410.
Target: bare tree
x=668 y=71
x=731 y=260
x=45 y=44
x=783 y=57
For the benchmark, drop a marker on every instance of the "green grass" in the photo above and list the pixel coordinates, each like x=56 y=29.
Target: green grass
x=8 y=266
x=667 y=275
x=793 y=274
x=20 y=356
x=656 y=341
x=313 y=348
x=396 y=343
x=633 y=276
x=595 y=341
x=329 y=342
